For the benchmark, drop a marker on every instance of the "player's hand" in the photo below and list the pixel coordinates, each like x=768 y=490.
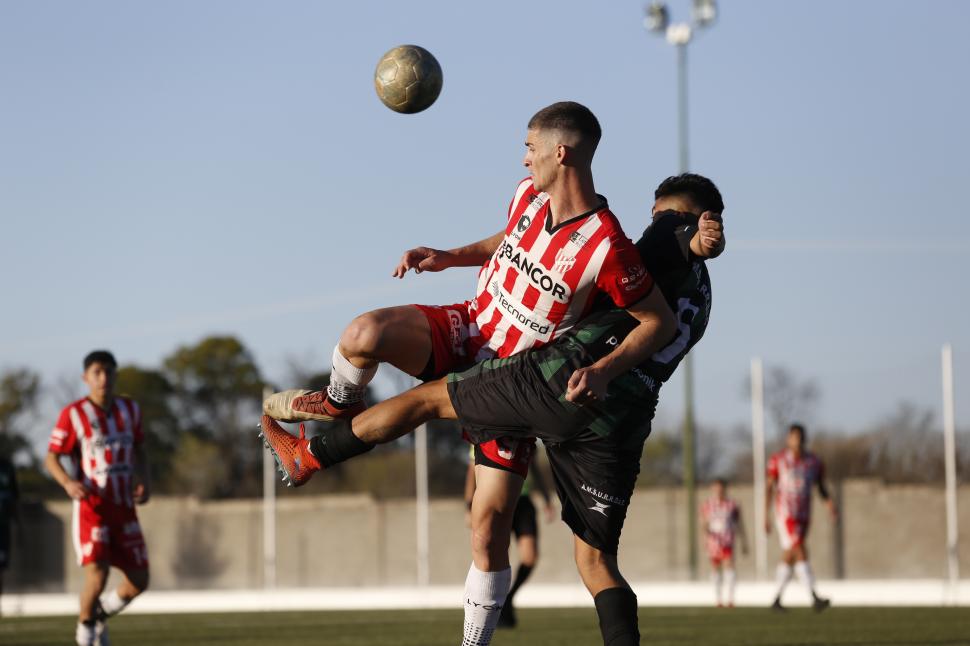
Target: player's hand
x=586 y=385
x=76 y=490
x=423 y=259
x=712 y=233
x=141 y=493
x=833 y=509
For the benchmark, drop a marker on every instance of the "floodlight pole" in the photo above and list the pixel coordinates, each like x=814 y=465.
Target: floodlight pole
x=758 y=464
x=679 y=35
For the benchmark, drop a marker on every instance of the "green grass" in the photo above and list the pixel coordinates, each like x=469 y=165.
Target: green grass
x=661 y=626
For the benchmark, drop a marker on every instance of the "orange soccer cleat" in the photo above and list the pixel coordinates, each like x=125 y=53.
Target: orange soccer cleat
x=293 y=456
x=307 y=405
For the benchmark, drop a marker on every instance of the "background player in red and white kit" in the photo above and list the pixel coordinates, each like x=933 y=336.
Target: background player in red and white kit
x=792 y=473
x=102 y=435
x=560 y=251
x=721 y=520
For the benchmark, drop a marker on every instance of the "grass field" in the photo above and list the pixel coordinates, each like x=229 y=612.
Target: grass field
x=680 y=626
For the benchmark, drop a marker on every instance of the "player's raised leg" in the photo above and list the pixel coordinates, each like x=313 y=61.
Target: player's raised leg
x=299 y=458
x=401 y=336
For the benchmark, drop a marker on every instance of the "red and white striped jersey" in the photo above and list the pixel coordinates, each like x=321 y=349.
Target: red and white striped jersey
x=721 y=517
x=102 y=444
x=794 y=479
x=542 y=280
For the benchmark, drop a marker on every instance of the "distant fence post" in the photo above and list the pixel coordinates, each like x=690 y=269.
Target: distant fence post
x=758 y=455
x=950 y=462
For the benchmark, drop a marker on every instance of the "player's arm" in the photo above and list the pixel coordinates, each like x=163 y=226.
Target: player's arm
x=657 y=326
x=823 y=491
x=475 y=254
x=143 y=483
x=72 y=487
x=708 y=241
x=769 y=492
x=739 y=526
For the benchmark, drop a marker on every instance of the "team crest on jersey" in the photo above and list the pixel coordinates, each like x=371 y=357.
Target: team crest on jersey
x=563 y=262
x=523 y=224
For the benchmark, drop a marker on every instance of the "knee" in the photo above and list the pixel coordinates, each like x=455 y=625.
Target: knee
x=591 y=561
x=363 y=335
x=139 y=581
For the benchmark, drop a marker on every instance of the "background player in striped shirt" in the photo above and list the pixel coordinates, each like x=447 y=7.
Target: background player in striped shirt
x=792 y=473
x=721 y=520
x=560 y=250
x=102 y=436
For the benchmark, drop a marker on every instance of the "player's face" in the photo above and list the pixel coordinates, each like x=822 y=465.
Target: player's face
x=794 y=441
x=679 y=203
x=100 y=380
x=718 y=490
x=540 y=158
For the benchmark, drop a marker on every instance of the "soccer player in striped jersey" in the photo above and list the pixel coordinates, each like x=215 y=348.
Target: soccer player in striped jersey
x=721 y=520
x=102 y=436
x=593 y=442
x=560 y=251
x=792 y=474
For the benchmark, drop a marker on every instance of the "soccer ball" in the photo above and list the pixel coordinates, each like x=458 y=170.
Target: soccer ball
x=408 y=79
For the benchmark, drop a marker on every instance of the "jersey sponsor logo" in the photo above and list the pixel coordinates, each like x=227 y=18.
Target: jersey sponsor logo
x=602 y=495
x=521 y=316
x=578 y=238
x=535 y=272
x=599 y=507
x=457 y=332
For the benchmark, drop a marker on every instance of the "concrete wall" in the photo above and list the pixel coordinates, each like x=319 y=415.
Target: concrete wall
x=886 y=532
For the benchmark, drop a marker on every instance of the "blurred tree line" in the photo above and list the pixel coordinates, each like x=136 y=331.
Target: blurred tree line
x=200 y=411
x=201 y=407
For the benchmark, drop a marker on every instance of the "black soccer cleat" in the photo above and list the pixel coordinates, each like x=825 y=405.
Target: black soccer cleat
x=777 y=607
x=819 y=604
x=507 y=617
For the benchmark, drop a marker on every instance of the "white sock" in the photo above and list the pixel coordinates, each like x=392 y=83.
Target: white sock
x=113 y=604
x=730 y=578
x=804 y=572
x=84 y=635
x=347 y=381
x=716 y=578
x=782 y=577
x=484 y=595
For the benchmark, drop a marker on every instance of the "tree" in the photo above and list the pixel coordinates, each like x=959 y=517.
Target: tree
x=788 y=399
x=19 y=389
x=217 y=394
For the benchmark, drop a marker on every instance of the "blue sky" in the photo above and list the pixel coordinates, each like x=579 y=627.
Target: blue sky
x=171 y=170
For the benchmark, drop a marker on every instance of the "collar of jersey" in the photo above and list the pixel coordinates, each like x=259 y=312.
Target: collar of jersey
x=576 y=218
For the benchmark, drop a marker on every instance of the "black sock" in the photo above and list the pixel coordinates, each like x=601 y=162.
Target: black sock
x=617 y=610
x=520 y=576
x=337 y=444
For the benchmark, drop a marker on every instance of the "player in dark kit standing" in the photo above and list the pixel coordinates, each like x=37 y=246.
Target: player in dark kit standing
x=9 y=511
x=558 y=393
x=102 y=435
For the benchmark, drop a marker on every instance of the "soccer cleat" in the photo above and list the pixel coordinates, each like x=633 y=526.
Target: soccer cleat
x=819 y=604
x=101 y=634
x=307 y=406
x=293 y=456
x=777 y=607
x=507 y=618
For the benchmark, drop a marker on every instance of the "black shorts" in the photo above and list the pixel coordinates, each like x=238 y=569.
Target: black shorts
x=524 y=521
x=594 y=451
x=4 y=545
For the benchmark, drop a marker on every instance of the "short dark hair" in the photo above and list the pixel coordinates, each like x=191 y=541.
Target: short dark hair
x=103 y=357
x=569 y=116
x=721 y=481
x=798 y=428
x=701 y=191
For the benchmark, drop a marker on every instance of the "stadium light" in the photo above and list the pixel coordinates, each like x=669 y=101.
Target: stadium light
x=657 y=21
